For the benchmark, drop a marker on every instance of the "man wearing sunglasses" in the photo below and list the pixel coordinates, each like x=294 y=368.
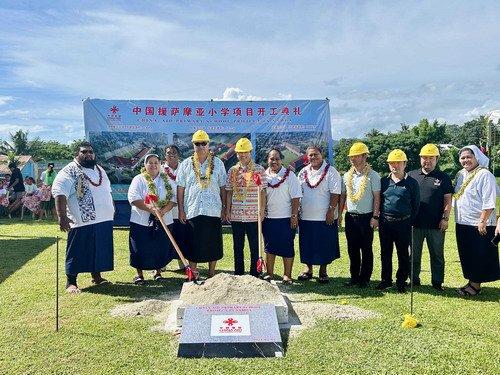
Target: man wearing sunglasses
x=85 y=210
x=201 y=200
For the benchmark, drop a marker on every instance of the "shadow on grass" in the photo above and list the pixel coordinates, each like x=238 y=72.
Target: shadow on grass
x=18 y=250
x=487 y=294
x=132 y=293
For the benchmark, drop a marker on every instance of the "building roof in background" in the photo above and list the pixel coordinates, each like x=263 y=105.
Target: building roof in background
x=23 y=160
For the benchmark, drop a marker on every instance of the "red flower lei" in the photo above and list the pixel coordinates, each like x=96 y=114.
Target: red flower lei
x=325 y=171
x=170 y=174
x=281 y=181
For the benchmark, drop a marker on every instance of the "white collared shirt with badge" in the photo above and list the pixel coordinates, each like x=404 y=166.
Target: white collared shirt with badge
x=138 y=190
x=314 y=203
x=279 y=199
x=198 y=201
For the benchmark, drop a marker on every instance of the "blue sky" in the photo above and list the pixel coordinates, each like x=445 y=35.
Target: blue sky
x=380 y=62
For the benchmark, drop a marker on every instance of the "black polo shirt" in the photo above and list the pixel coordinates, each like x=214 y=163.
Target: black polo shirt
x=433 y=186
x=399 y=199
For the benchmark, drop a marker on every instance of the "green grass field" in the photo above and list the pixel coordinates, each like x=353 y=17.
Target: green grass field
x=457 y=335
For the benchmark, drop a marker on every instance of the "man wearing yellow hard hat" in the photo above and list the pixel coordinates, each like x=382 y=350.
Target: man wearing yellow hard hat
x=242 y=205
x=201 y=199
x=400 y=198
x=433 y=214
x=361 y=193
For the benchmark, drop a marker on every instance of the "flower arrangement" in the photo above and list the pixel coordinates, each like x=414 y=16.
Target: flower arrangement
x=306 y=177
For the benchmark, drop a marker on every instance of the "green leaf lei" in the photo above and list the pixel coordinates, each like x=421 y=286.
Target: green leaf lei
x=152 y=187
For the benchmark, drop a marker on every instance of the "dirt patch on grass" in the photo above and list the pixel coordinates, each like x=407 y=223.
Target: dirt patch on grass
x=230 y=289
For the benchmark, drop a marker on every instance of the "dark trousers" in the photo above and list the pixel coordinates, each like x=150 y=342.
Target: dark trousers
x=435 y=243
x=359 y=235
x=239 y=229
x=395 y=233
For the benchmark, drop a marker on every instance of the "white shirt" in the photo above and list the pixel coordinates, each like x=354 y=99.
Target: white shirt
x=30 y=189
x=479 y=195
x=138 y=190
x=279 y=200
x=83 y=212
x=198 y=201
x=175 y=210
x=315 y=202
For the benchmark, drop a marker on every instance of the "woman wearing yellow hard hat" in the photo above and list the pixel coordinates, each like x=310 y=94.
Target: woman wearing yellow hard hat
x=242 y=205
x=400 y=198
x=433 y=214
x=475 y=201
x=201 y=197
x=361 y=192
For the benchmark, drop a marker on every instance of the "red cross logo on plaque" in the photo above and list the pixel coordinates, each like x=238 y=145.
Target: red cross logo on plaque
x=230 y=322
x=114 y=109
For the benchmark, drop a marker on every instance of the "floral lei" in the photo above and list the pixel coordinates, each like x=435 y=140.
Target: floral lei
x=325 y=171
x=467 y=181
x=203 y=181
x=362 y=186
x=277 y=185
x=170 y=174
x=239 y=190
x=152 y=192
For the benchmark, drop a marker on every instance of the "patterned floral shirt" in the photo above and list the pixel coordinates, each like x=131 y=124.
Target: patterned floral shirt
x=245 y=192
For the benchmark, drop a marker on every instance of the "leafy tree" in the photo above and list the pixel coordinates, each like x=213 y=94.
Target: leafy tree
x=20 y=142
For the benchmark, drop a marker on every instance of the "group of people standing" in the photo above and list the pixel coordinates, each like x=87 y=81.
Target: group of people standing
x=193 y=197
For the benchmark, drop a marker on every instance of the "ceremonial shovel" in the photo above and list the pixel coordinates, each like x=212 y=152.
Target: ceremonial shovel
x=261 y=264
x=152 y=199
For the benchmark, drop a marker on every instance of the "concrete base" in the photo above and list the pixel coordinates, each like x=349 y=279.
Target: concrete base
x=278 y=301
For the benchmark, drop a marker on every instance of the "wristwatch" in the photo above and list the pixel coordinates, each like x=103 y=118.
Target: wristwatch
x=294 y=216
x=376 y=217
x=444 y=218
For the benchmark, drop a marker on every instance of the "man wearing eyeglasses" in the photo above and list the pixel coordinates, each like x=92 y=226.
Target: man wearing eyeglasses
x=85 y=210
x=201 y=199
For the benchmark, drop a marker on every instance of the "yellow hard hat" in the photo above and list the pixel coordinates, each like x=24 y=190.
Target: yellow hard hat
x=200 y=136
x=397 y=155
x=430 y=149
x=358 y=148
x=243 y=145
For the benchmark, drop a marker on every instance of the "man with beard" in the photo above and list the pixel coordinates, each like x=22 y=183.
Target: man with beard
x=85 y=210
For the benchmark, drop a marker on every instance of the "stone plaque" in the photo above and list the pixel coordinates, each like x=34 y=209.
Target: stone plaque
x=230 y=331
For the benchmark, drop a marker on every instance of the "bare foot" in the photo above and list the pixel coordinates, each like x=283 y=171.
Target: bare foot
x=73 y=289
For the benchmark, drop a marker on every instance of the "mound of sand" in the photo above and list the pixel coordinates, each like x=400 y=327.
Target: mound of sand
x=224 y=289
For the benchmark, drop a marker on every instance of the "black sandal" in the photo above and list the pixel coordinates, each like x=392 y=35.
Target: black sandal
x=158 y=278
x=138 y=280
x=466 y=293
x=267 y=278
x=304 y=276
x=101 y=281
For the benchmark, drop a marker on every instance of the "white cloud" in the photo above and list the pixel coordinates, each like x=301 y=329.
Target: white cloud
x=235 y=93
x=5 y=99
